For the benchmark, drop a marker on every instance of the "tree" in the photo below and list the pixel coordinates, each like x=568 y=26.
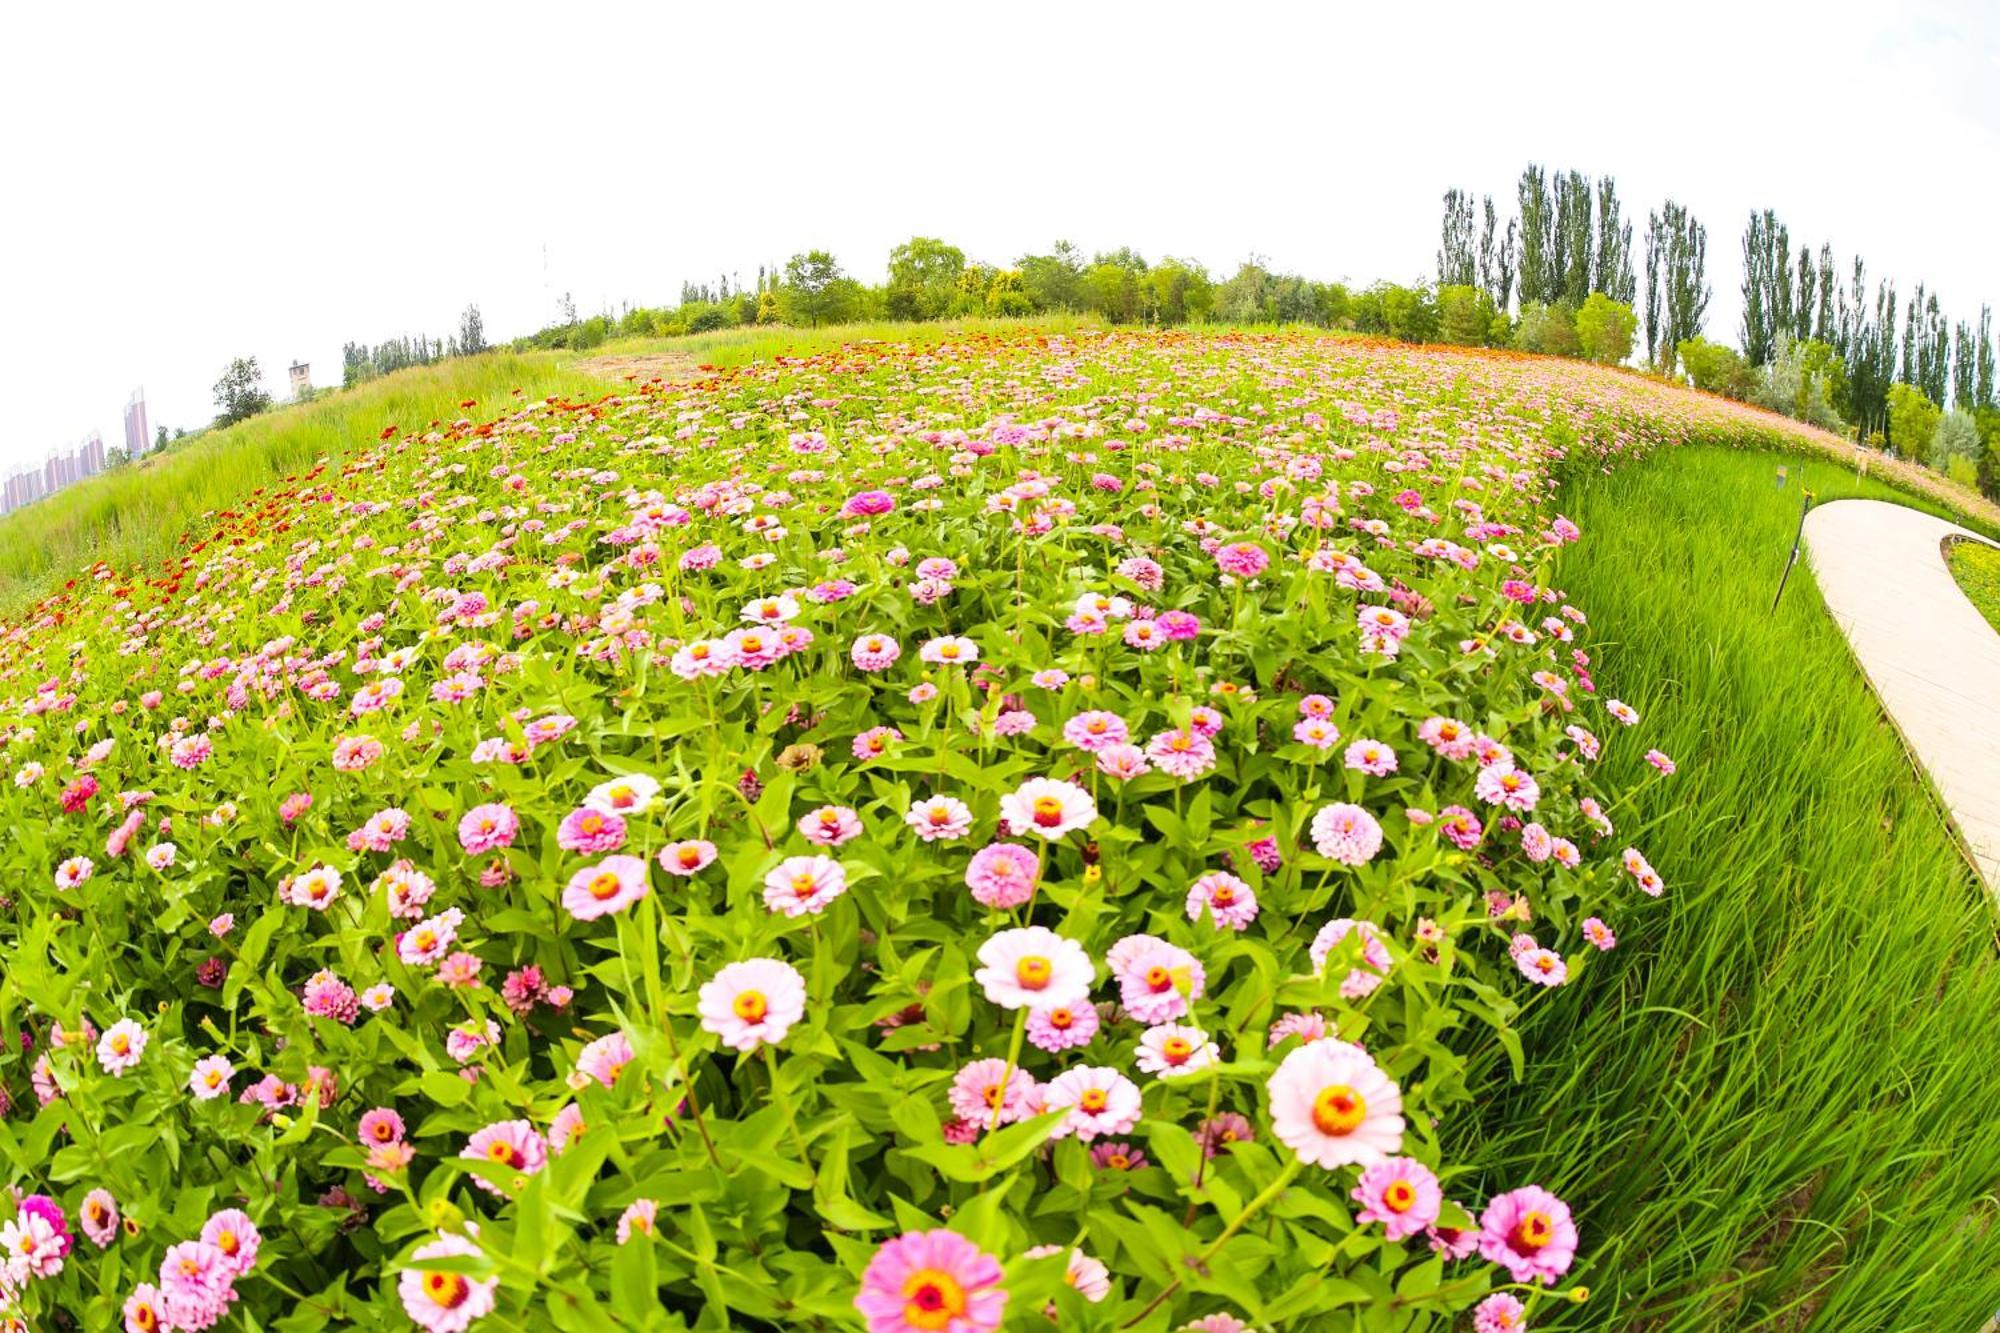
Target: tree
x=1111 y=289
x=471 y=332
x=1178 y=291
x=1548 y=329
x=1956 y=436
x=1005 y=295
x=1982 y=361
x=1684 y=289
x=809 y=280
x=1053 y=281
x=1613 y=274
x=1457 y=260
x=1604 y=329
x=1576 y=247
x=923 y=278
x=1496 y=259
x=160 y=438
x=1465 y=315
x=240 y=394
x=1714 y=368
x=1913 y=421
x=1537 y=238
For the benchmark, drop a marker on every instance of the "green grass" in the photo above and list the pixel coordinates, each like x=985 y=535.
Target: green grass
x=135 y=515
x=1977 y=569
x=1774 y=1104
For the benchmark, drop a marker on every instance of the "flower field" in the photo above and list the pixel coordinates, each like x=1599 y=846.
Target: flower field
x=914 y=838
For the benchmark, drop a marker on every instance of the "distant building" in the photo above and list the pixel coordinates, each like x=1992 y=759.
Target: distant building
x=138 y=431
x=301 y=379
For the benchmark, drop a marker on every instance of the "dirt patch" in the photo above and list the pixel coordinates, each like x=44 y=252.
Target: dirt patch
x=640 y=367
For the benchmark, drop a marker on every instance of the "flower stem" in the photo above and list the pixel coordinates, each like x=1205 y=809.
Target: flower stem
x=1013 y=1061
x=784 y=1101
x=1250 y=1210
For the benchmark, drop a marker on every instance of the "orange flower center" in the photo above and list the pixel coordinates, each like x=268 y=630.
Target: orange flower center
x=932 y=1299
x=1534 y=1231
x=1176 y=1049
x=500 y=1151
x=690 y=857
x=1061 y=1019
x=604 y=885
x=1400 y=1197
x=1034 y=972
x=447 y=1290
x=1339 y=1109
x=1094 y=1100
x=1223 y=896
x=751 y=1006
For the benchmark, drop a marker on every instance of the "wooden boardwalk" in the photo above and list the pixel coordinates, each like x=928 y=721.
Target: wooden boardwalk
x=1932 y=658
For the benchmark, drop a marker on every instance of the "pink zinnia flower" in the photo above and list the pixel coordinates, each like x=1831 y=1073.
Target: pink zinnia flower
x=1460 y=827
x=1332 y=1106
x=612 y=885
x=1099 y=1100
x=940 y=818
x=1171 y=1049
x=687 y=857
x=97 y=1215
x=802 y=885
x=1034 y=968
x=233 y=1233
x=977 y=1093
x=1230 y=902
x=1505 y=785
x=830 y=826
x=931 y=1282
x=591 y=832
x=430 y=939
x=379 y=1126
x=637 y=1219
x=210 y=1078
x=752 y=1002
x=1543 y=966
x=1528 y=1231
x=1123 y=762
x=1047 y=807
x=1062 y=1027
x=1375 y=957
x=1095 y=731
x=1157 y=980
x=1089 y=1276
x=876 y=652
x=1117 y=1157
x=487 y=828
x=445 y=1302
x=1371 y=757
x=1316 y=732
x=950 y=651
x=120 y=1047
x=1499 y=1313
x=604 y=1059
x=1184 y=754
x=1347 y=834
x=1658 y=759
x=1599 y=934
x=1244 y=560
x=1400 y=1192
x=1002 y=875
x=515 y=1144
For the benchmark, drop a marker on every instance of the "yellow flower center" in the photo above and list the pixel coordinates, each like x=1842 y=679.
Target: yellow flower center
x=447 y=1291
x=751 y=1006
x=1534 y=1231
x=932 y=1299
x=1094 y=1100
x=1339 y=1109
x=1176 y=1049
x=1048 y=811
x=1400 y=1197
x=1034 y=971
x=500 y=1151
x=603 y=885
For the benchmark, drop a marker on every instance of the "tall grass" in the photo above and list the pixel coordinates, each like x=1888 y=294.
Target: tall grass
x=1775 y=1102
x=136 y=514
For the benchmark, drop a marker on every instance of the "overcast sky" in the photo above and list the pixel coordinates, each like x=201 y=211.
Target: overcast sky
x=189 y=183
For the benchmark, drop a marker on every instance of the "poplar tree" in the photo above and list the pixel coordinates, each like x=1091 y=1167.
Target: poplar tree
x=1573 y=248
x=1497 y=258
x=1614 y=246
x=1537 y=237
x=1457 y=261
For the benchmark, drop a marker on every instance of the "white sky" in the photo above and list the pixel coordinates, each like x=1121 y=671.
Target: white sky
x=189 y=183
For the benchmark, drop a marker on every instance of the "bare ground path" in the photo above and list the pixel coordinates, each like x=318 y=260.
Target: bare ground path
x=1932 y=658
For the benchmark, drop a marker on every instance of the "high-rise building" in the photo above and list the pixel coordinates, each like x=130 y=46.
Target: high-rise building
x=301 y=379
x=138 y=431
